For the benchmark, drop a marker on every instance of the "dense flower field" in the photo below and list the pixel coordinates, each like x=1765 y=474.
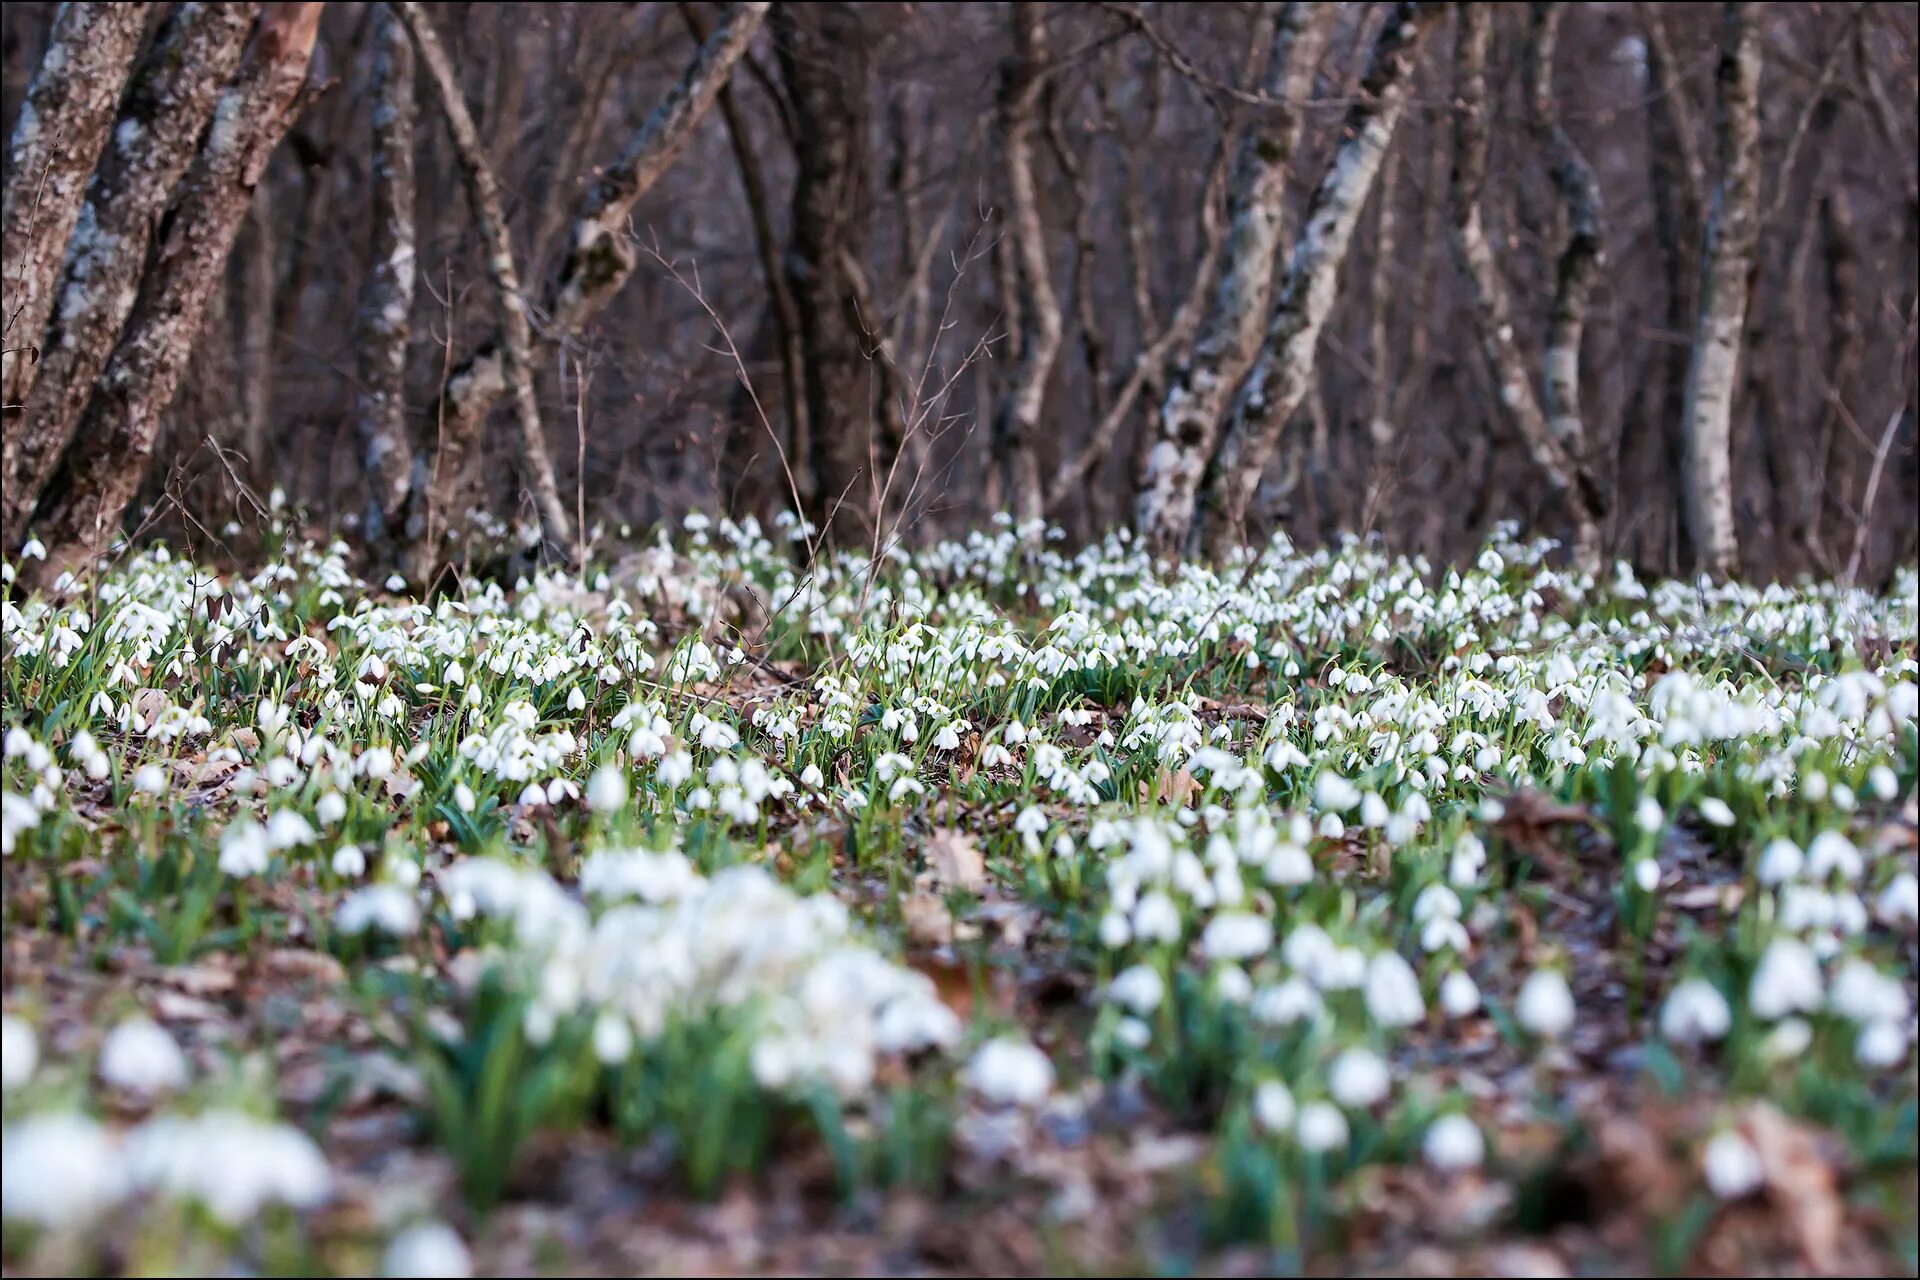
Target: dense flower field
x=982 y=908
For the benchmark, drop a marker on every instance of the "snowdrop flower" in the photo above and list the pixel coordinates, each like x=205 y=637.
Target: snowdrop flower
x=1715 y=811
x=426 y=1250
x=1453 y=1142
x=675 y=768
x=331 y=808
x=61 y=1169
x=1864 y=994
x=1780 y=861
x=140 y=1057
x=229 y=1163
x=1647 y=814
x=1731 y=1165
x=1787 y=980
x=1788 y=1040
x=349 y=862
x=1831 y=852
x=1334 y=794
x=1235 y=936
x=612 y=1038
x=1545 y=1004
x=1883 y=782
x=150 y=779
x=1321 y=1127
x=1138 y=988
x=1008 y=1071
x=1393 y=991
x=1273 y=1108
x=1156 y=919
x=384 y=908
x=244 y=848
x=1358 y=1078
x=287 y=829
x=19 y=1052
x=1459 y=994
x=1881 y=1044
x=1695 y=1013
x=606 y=789
x=1899 y=902
x=1646 y=874
x=463 y=798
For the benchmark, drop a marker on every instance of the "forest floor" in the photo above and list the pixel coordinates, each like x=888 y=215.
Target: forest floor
x=983 y=909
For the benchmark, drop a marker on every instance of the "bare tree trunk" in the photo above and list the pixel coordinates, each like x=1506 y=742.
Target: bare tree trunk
x=1188 y=422
x=1584 y=253
x=254 y=352
x=745 y=439
x=1382 y=433
x=1019 y=415
x=55 y=142
x=1724 y=283
x=101 y=472
x=825 y=60
x=516 y=333
x=170 y=97
x=1493 y=310
x=598 y=264
x=386 y=299
x=1283 y=371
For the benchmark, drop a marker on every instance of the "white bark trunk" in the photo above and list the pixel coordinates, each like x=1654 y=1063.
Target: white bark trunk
x=102 y=471
x=1188 y=421
x=1725 y=269
x=386 y=302
x=168 y=102
x=62 y=127
x=1284 y=368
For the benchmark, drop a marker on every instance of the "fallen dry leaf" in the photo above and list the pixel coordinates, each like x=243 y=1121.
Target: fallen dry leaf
x=1801 y=1182
x=929 y=923
x=1170 y=786
x=954 y=861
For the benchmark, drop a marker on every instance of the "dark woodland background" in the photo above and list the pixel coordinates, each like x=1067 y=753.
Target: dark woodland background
x=916 y=117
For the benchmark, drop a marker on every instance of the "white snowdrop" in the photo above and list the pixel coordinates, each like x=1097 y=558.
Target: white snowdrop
x=1358 y=1078
x=1010 y=1072
x=1453 y=1142
x=1545 y=1004
x=1695 y=1012
x=141 y=1057
x=1787 y=980
x=1731 y=1165
x=426 y=1250
x=1321 y=1127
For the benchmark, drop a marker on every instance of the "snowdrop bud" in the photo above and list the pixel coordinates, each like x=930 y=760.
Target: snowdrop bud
x=1545 y=1004
x=150 y=779
x=1882 y=781
x=1646 y=874
x=331 y=808
x=1732 y=1166
x=463 y=797
x=1453 y=1142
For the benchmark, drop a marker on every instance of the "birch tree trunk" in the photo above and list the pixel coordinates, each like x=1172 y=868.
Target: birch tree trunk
x=169 y=99
x=1725 y=270
x=62 y=127
x=1020 y=407
x=1283 y=370
x=1493 y=310
x=386 y=301
x=515 y=360
x=598 y=263
x=1582 y=257
x=1188 y=421
x=102 y=471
